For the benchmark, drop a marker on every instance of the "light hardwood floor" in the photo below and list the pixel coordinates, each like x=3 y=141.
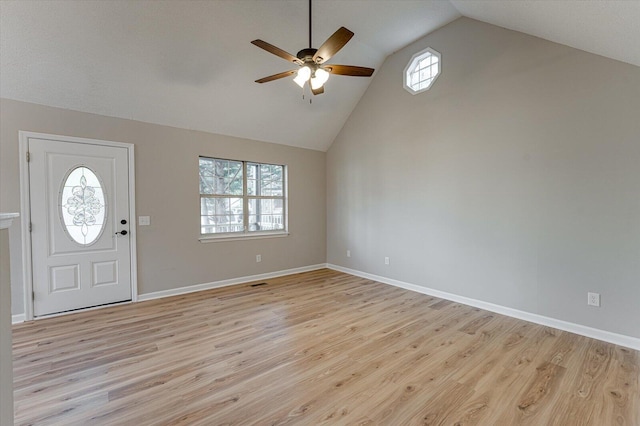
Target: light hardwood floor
x=316 y=348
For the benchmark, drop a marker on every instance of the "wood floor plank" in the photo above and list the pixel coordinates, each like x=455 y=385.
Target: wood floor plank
x=321 y=347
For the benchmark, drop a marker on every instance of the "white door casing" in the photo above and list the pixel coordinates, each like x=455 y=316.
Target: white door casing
x=79 y=192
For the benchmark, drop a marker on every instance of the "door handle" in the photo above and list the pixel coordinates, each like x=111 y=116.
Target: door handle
x=123 y=232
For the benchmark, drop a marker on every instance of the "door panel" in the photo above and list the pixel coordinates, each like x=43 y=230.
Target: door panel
x=79 y=196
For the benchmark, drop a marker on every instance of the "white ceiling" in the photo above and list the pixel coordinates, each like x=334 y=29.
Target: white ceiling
x=190 y=64
x=609 y=28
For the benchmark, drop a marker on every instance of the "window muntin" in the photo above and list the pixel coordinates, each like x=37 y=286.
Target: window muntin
x=422 y=71
x=241 y=198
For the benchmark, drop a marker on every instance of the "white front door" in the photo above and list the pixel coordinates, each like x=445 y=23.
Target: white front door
x=80 y=240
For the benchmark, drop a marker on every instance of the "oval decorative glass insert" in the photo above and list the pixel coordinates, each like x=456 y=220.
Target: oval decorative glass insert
x=83 y=205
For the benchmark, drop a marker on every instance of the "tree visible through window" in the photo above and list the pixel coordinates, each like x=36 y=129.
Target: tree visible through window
x=240 y=197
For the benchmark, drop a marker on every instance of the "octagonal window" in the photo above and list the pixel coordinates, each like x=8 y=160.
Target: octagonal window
x=422 y=71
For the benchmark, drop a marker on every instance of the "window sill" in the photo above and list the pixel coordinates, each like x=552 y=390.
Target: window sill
x=253 y=236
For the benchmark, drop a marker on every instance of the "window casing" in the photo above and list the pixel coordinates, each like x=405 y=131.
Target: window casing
x=422 y=71
x=241 y=199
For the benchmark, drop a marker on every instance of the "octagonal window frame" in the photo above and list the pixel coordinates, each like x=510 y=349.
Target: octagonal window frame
x=411 y=65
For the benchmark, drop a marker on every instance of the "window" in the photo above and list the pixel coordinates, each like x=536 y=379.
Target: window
x=82 y=206
x=241 y=198
x=422 y=71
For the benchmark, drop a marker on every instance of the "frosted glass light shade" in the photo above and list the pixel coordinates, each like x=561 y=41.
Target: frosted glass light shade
x=320 y=78
x=303 y=75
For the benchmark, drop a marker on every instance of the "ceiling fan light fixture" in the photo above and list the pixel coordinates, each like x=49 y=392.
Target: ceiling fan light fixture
x=303 y=75
x=311 y=60
x=319 y=78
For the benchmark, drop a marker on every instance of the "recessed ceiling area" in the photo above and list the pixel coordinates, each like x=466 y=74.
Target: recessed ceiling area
x=191 y=64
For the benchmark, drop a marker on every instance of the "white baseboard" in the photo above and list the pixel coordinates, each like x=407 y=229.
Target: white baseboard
x=193 y=288
x=225 y=283
x=606 y=336
x=583 y=330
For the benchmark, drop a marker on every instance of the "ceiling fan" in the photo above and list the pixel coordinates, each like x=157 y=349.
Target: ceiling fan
x=312 y=62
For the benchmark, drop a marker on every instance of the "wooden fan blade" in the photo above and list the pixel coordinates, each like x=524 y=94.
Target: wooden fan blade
x=332 y=45
x=318 y=91
x=349 y=70
x=276 y=76
x=276 y=51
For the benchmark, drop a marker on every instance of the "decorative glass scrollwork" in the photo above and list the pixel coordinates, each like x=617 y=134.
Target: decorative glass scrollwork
x=83 y=205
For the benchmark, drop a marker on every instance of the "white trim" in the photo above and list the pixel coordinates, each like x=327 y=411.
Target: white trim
x=184 y=290
x=257 y=236
x=583 y=330
x=6 y=219
x=25 y=208
x=133 y=248
x=411 y=65
x=229 y=282
x=75 y=311
x=25 y=197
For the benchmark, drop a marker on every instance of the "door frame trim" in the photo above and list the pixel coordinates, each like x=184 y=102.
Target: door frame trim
x=25 y=207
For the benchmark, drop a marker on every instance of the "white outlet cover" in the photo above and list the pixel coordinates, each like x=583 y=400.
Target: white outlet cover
x=593 y=299
x=386 y=260
x=348 y=253
x=258 y=258
x=144 y=220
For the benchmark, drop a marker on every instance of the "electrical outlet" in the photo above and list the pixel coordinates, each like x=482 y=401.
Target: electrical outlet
x=144 y=220
x=386 y=260
x=593 y=299
x=348 y=253
x=258 y=258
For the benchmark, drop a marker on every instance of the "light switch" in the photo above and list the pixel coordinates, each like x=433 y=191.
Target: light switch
x=144 y=220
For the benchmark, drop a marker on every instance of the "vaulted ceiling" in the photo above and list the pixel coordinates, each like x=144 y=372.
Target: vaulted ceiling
x=190 y=64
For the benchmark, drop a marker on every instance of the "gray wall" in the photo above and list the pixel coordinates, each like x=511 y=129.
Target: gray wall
x=169 y=253
x=514 y=180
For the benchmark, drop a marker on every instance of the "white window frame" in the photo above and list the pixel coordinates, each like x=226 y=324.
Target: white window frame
x=247 y=234
x=412 y=64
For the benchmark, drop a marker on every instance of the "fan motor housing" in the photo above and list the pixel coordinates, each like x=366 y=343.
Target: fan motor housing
x=306 y=55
